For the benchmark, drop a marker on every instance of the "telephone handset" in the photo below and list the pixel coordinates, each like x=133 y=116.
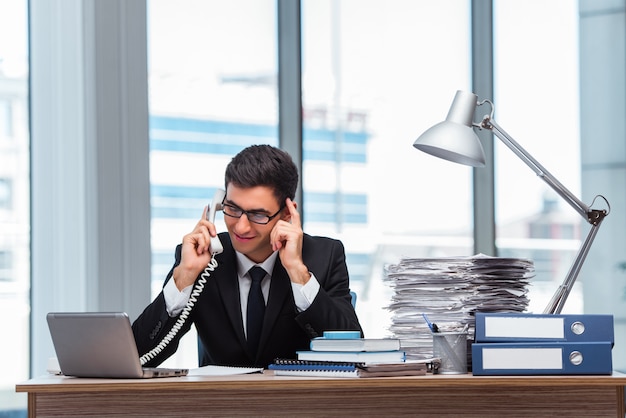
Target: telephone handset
x=215 y=205
x=215 y=247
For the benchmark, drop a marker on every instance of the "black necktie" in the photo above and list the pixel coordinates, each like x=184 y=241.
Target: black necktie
x=256 y=309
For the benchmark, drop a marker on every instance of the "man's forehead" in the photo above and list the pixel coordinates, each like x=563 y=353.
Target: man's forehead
x=257 y=195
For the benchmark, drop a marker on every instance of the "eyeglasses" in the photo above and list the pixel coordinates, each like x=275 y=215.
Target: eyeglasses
x=255 y=217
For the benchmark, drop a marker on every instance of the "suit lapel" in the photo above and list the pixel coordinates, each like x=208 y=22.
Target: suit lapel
x=228 y=287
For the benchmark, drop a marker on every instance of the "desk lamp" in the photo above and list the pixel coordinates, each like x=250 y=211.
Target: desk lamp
x=455 y=140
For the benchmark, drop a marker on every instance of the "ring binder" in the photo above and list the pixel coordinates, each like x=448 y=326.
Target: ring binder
x=559 y=358
x=514 y=327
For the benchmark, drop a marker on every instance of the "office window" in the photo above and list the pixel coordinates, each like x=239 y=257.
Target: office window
x=6 y=120
x=537 y=103
x=376 y=74
x=205 y=106
x=212 y=88
x=14 y=205
x=5 y=193
x=6 y=266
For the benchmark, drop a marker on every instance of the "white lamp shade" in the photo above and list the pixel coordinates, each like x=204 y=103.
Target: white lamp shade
x=454 y=139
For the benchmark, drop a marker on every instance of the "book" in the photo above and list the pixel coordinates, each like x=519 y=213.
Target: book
x=354 y=356
x=405 y=368
x=341 y=335
x=317 y=373
x=512 y=327
x=355 y=344
x=539 y=358
x=391 y=373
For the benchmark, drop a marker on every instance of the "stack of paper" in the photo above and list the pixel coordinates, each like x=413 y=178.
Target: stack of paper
x=449 y=290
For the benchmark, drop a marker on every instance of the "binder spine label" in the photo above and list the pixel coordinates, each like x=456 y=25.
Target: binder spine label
x=522 y=358
x=566 y=358
x=524 y=327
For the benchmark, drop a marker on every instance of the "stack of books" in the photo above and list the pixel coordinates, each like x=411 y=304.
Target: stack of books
x=346 y=354
x=348 y=346
x=542 y=344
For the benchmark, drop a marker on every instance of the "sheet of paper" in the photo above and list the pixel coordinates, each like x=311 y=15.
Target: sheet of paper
x=223 y=371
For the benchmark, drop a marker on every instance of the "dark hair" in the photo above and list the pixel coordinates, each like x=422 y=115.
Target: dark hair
x=264 y=165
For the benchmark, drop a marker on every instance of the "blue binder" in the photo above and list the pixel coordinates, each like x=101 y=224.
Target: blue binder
x=514 y=327
x=542 y=358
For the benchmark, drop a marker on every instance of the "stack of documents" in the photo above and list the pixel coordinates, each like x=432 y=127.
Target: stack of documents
x=537 y=344
x=449 y=290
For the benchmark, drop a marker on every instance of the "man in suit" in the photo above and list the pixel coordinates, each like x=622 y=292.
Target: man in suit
x=304 y=285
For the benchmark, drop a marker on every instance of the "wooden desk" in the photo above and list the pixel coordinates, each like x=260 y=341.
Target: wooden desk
x=268 y=395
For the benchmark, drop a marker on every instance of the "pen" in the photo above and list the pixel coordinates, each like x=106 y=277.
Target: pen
x=433 y=327
x=462 y=334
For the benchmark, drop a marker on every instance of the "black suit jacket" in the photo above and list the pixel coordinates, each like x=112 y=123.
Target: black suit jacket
x=217 y=312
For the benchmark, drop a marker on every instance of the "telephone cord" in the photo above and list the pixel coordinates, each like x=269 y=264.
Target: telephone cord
x=184 y=314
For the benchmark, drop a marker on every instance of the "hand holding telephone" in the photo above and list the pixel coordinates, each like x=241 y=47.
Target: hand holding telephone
x=214 y=206
x=215 y=247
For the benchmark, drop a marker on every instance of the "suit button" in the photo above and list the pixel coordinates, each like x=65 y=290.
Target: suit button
x=156 y=330
x=309 y=329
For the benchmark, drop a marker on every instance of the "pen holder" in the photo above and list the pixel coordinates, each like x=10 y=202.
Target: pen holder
x=451 y=348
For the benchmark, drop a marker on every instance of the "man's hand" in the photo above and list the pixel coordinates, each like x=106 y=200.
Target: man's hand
x=286 y=237
x=195 y=254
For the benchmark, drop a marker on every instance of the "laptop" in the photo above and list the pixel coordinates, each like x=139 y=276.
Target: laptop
x=99 y=344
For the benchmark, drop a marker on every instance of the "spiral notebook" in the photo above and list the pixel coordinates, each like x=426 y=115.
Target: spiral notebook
x=289 y=367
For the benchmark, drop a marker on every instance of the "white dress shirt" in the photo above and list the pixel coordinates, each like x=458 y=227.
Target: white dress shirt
x=176 y=300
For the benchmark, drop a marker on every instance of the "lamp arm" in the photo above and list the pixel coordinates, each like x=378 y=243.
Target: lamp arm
x=592 y=216
x=545 y=175
x=560 y=296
